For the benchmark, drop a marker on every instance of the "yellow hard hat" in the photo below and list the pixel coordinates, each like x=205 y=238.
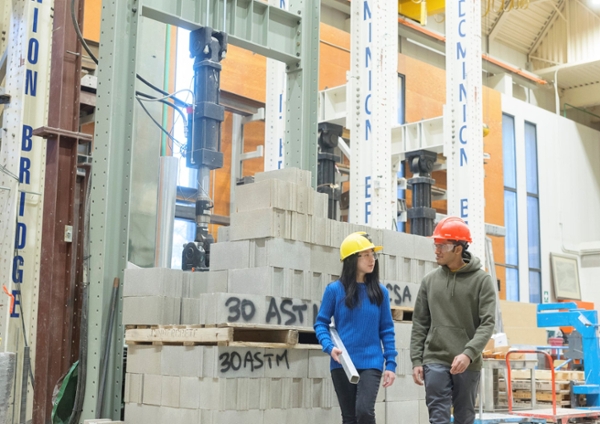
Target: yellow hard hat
x=486 y=129
x=357 y=242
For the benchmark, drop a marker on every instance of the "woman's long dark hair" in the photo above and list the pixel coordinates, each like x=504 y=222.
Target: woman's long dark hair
x=348 y=280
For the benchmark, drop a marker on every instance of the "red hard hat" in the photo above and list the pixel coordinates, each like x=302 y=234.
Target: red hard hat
x=452 y=228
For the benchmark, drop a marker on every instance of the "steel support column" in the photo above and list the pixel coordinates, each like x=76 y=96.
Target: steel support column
x=110 y=194
x=300 y=146
x=60 y=285
x=59 y=305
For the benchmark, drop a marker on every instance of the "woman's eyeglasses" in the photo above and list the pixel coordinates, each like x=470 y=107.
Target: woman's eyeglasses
x=369 y=255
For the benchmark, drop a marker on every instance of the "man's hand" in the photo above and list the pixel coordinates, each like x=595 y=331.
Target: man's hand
x=460 y=364
x=418 y=375
x=388 y=378
x=335 y=354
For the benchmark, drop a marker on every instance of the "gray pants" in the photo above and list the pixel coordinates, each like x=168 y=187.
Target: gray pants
x=444 y=390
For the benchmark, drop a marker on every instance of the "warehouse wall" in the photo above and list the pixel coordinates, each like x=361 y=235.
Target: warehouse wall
x=569 y=190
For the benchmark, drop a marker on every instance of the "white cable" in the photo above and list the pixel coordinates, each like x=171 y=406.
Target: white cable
x=173 y=95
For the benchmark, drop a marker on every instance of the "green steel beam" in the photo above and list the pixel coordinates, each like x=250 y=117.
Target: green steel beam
x=252 y=25
x=302 y=89
x=110 y=195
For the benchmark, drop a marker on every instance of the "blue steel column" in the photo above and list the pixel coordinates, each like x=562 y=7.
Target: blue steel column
x=111 y=182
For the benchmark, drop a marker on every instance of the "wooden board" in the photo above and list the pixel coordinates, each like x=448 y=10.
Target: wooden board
x=518 y=314
x=286 y=337
x=539 y=385
x=528 y=336
x=171 y=335
x=402 y=313
x=248 y=336
x=542 y=396
x=542 y=385
x=559 y=403
x=546 y=375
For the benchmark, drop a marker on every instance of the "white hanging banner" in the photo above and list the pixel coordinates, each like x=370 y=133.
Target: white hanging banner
x=463 y=118
x=372 y=105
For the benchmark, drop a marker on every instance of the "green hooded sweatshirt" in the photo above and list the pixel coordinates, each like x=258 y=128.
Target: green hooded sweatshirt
x=454 y=313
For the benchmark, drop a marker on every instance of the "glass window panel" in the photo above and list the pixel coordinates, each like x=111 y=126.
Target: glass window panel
x=184 y=77
x=512 y=284
x=401 y=110
x=531 y=158
x=510 y=223
x=533 y=232
x=184 y=231
x=535 y=287
x=508 y=151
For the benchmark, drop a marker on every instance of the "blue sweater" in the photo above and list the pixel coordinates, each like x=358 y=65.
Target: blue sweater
x=363 y=329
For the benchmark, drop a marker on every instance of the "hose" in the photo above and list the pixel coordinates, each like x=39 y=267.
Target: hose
x=104 y=366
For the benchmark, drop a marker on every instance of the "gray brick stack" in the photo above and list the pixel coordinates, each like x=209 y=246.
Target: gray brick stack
x=269 y=267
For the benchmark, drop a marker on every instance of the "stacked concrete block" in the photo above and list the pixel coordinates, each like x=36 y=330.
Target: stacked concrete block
x=292 y=175
x=276 y=208
x=402 y=294
x=261 y=223
x=152 y=296
x=223 y=234
x=403 y=412
x=269 y=193
x=403 y=332
x=231 y=308
x=232 y=255
x=212 y=295
x=270 y=267
x=213 y=382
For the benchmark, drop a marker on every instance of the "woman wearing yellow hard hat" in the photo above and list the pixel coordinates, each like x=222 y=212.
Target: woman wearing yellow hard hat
x=360 y=307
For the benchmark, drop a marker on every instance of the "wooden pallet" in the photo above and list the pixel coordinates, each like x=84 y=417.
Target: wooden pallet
x=541 y=385
x=253 y=335
x=402 y=313
x=543 y=396
x=546 y=375
x=132 y=326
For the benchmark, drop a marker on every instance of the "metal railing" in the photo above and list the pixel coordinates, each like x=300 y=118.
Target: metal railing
x=581 y=116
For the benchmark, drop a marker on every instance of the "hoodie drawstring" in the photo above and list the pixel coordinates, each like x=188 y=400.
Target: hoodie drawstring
x=453 y=285
x=449 y=273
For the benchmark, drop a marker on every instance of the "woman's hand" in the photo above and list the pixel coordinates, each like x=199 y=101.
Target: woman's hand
x=335 y=354
x=388 y=378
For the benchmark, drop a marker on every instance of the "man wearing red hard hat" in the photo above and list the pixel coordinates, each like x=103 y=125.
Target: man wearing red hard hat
x=453 y=320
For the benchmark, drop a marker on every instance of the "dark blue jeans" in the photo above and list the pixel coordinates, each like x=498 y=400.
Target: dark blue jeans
x=357 y=401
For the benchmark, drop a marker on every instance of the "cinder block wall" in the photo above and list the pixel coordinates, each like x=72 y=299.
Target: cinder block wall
x=270 y=267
